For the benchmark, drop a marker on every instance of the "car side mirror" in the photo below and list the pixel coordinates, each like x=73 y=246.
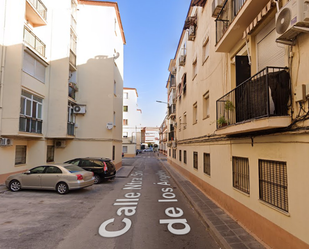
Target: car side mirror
x=27 y=172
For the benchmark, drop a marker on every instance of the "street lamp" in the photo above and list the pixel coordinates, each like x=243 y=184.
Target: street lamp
x=163 y=102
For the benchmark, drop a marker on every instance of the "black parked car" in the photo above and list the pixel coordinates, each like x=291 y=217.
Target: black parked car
x=102 y=168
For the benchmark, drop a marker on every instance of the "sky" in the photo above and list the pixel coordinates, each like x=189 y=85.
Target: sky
x=152 y=30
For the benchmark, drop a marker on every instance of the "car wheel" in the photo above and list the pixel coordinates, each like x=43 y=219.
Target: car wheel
x=97 y=179
x=62 y=188
x=15 y=186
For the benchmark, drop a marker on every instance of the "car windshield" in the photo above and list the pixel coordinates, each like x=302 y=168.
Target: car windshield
x=73 y=168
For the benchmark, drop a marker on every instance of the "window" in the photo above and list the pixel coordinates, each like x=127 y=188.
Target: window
x=33 y=67
x=195 y=113
x=125 y=149
x=125 y=122
x=184 y=83
x=125 y=95
x=114 y=150
x=38 y=170
x=20 y=154
x=185 y=156
x=50 y=153
x=30 y=113
x=73 y=41
x=195 y=160
x=205 y=50
x=185 y=121
x=174 y=153
x=241 y=179
x=114 y=119
x=179 y=123
x=206 y=105
x=53 y=170
x=179 y=155
x=207 y=163
x=194 y=68
x=169 y=152
x=125 y=108
x=115 y=88
x=273 y=183
x=71 y=120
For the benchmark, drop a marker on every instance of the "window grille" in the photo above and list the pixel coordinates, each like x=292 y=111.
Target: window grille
x=20 y=154
x=185 y=156
x=241 y=179
x=50 y=153
x=273 y=183
x=207 y=163
x=195 y=160
x=179 y=155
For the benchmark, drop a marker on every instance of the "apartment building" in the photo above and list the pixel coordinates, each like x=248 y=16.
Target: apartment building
x=150 y=136
x=61 y=82
x=132 y=118
x=241 y=112
x=163 y=136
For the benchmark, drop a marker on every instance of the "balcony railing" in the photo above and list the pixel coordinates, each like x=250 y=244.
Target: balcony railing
x=40 y=7
x=33 y=41
x=265 y=94
x=172 y=110
x=226 y=16
x=71 y=127
x=28 y=124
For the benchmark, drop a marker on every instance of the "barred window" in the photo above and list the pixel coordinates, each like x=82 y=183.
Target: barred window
x=174 y=153
x=180 y=155
x=20 y=154
x=207 y=163
x=241 y=175
x=195 y=160
x=273 y=183
x=185 y=156
x=50 y=153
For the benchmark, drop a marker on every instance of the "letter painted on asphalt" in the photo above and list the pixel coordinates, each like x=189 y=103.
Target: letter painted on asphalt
x=172 y=212
x=170 y=223
x=108 y=234
x=128 y=211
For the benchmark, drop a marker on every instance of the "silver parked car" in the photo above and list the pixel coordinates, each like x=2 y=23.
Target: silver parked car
x=59 y=177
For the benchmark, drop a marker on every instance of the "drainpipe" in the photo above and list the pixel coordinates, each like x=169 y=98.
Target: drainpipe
x=3 y=57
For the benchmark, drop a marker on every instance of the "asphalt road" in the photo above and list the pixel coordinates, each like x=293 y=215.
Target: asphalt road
x=144 y=211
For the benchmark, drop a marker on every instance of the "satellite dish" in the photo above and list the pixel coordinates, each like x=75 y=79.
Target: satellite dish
x=109 y=125
x=283 y=21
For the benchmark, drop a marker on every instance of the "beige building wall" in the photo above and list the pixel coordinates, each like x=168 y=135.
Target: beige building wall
x=97 y=73
x=198 y=133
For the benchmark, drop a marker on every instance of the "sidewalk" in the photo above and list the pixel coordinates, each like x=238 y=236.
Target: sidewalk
x=226 y=230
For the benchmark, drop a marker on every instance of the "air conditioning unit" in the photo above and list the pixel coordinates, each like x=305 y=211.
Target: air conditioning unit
x=182 y=60
x=79 y=109
x=292 y=19
x=5 y=142
x=60 y=144
x=216 y=7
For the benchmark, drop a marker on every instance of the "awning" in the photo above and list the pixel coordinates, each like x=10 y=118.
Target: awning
x=200 y=3
x=191 y=20
x=269 y=6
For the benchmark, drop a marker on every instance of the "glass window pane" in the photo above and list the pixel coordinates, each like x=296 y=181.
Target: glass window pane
x=22 y=106
x=28 y=107
x=39 y=111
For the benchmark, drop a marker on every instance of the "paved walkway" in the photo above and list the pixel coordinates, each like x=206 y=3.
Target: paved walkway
x=228 y=232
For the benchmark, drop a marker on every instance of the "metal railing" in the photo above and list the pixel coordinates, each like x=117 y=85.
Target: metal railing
x=227 y=14
x=171 y=136
x=265 y=94
x=32 y=40
x=40 y=7
x=28 y=124
x=71 y=127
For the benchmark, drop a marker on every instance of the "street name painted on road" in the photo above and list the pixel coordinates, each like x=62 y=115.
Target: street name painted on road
x=129 y=205
x=171 y=212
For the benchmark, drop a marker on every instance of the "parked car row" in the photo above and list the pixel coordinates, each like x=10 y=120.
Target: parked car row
x=73 y=174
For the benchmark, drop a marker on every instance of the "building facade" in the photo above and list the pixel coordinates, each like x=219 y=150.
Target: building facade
x=240 y=128
x=132 y=117
x=61 y=82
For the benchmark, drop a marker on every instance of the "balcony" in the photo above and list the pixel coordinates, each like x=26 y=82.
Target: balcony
x=36 y=12
x=172 y=111
x=234 y=18
x=34 y=42
x=171 y=136
x=259 y=103
x=72 y=90
x=71 y=127
x=72 y=60
x=32 y=125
